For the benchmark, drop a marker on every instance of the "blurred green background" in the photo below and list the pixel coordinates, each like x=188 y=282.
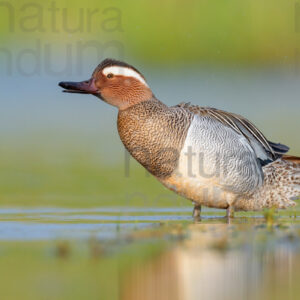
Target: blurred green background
x=63 y=150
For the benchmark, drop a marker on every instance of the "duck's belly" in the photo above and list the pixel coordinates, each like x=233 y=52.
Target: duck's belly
x=206 y=192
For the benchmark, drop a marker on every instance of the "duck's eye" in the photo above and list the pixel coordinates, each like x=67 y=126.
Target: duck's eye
x=110 y=75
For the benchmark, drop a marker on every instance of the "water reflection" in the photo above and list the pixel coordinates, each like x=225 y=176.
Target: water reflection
x=222 y=262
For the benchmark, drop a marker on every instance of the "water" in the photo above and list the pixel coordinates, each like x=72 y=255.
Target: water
x=102 y=223
x=62 y=223
x=250 y=257
x=220 y=261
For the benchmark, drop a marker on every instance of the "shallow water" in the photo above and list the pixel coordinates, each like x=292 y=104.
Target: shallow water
x=254 y=256
x=101 y=222
x=220 y=261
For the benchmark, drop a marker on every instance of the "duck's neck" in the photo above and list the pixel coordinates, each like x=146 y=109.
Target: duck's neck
x=154 y=134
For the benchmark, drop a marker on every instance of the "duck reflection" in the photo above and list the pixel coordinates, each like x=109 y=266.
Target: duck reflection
x=220 y=261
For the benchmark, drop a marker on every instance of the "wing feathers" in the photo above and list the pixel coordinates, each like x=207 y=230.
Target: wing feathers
x=268 y=151
x=279 y=148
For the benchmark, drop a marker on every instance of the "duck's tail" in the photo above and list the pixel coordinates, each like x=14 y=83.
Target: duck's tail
x=281 y=184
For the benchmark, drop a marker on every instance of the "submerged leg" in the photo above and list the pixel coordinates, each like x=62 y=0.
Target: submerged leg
x=197 y=212
x=230 y=212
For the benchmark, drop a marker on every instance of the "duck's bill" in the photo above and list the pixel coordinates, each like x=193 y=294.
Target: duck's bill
x=82 y=87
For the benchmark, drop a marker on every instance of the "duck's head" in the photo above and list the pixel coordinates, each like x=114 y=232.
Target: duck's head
x=115 y=82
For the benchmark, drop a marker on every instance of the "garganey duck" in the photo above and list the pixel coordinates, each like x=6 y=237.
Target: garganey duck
x=210 y=156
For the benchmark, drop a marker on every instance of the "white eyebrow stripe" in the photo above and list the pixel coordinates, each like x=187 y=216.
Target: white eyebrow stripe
x=124 y=71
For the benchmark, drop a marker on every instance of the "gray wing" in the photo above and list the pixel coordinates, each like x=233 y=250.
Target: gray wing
x=265 y=150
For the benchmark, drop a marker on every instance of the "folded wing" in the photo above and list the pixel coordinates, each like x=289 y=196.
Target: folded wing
x=265 y=150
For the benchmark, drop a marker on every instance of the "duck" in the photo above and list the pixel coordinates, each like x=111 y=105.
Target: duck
x=212 y=157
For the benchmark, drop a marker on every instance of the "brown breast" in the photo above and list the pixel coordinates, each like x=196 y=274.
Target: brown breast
x=154 y=134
